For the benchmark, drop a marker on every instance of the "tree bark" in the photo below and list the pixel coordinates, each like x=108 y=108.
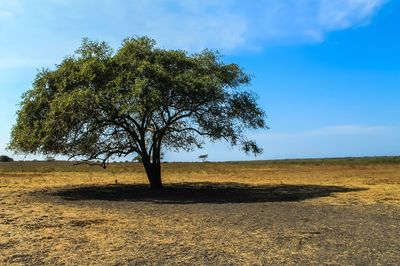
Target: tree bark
x=153 y=171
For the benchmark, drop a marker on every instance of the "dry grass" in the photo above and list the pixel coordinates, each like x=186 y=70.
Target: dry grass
x=38 y=227
x=380 y=180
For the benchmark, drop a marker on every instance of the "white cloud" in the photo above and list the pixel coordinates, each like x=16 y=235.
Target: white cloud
x=24 y=62
x=236 y=24
x=7 y=7
x=348 y=130
x=336 y=130
x=6 y=14
x=332 y=141
x=342 y=14
x=227 y=25
x=191 y=24
x=306 y=20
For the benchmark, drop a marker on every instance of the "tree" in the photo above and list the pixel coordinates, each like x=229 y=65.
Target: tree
x=99 y=104
x=5 y=159
x=203 y=157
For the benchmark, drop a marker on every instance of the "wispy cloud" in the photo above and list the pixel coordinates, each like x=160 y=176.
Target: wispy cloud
x=335 y=131
x=332 y=141
x=55 y=27
x=294 y=21
x=234 y=24
x=6 y=14
x=342 y=14
x=7 y=8
x=348 y=130
x=12 y=62
x=194 y=25
x=190 y=24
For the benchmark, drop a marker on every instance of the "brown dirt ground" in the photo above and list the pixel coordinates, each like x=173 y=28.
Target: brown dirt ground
x=209 y=214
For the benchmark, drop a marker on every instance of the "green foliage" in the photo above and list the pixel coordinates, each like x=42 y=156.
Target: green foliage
x=99 y=104
x=5 y=159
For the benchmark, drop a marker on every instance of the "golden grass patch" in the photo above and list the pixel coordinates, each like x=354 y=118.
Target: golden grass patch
x=58 y=232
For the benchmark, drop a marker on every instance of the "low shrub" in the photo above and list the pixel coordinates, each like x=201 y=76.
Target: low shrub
x=5 y=158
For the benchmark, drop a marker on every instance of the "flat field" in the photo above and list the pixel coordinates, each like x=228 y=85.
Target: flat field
x=307 y=212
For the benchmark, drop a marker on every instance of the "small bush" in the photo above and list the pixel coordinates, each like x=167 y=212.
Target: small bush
x=138 y=159
x=50 y=159
x=5 y=158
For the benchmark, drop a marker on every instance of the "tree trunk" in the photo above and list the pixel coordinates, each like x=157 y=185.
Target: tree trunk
x=153 y=171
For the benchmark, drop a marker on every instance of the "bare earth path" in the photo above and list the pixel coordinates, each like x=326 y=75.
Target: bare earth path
x=270 y=215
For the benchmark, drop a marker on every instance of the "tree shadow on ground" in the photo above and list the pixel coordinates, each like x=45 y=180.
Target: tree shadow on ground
x=187 y=193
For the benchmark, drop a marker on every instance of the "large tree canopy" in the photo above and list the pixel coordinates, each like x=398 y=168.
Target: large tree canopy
x=99 y=104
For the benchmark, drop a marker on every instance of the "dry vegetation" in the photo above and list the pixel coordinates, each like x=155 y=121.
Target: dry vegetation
x=298 y=212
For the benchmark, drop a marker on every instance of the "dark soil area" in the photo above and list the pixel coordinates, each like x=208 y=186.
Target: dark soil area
x=201 y=192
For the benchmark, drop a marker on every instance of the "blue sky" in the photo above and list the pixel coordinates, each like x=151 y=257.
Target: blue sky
x=327 y=72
